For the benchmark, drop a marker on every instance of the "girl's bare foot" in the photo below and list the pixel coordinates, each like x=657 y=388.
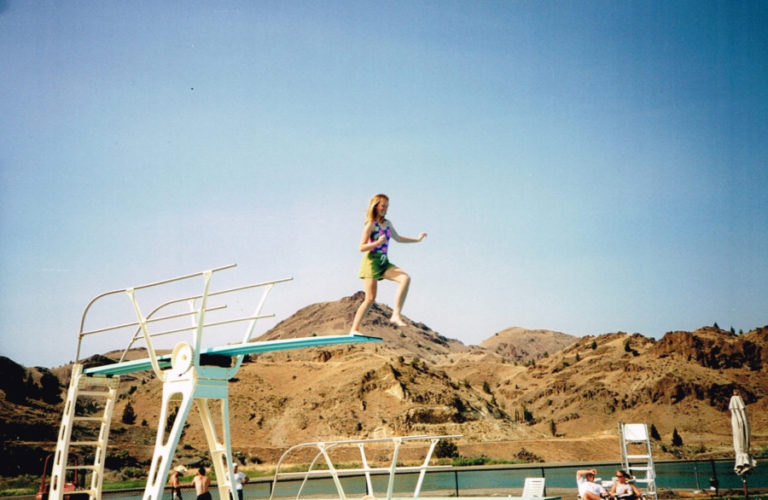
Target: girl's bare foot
x=397 y=321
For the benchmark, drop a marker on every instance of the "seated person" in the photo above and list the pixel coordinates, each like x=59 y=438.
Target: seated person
x=588 y=488
x=623 y=489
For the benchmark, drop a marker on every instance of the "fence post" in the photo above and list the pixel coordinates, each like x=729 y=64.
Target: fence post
x=456 y=481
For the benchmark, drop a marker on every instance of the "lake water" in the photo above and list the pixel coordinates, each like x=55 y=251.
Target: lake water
x=504 y=480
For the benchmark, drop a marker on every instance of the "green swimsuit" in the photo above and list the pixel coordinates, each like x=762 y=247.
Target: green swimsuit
x=375 y=263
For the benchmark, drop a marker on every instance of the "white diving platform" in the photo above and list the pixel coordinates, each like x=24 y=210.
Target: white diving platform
x=186 y=379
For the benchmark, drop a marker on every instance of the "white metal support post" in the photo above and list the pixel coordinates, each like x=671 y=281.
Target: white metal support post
x=332 y=470
x=191 y=385
x=180 y=388
x=193 y=382
x=393 y=467
x=221 y=451
x=423 y=472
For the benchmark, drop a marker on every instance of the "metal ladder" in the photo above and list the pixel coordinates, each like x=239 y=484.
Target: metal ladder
x=94 y=388
x=637 y=458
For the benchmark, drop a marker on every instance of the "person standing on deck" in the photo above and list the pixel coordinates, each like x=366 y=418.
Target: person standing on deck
x=202 y=484
x=240 y=480
x=376 y=266
x=176 y=483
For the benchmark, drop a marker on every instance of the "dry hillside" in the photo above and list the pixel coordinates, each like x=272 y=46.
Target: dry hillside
x=547 y=395
x=521 y=344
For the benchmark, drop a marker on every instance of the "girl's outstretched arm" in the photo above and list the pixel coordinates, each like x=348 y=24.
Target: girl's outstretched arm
x=405 y=239
x=365 y=246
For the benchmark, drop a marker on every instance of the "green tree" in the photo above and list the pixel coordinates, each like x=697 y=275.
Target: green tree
x=676 y=439
x=629 y=349
x=12 y=381
x=446 y=449
x=553 y=427
x=31 y=389
x=655 y=433
x=129 y=416
x=50 y=388
x=527 y=415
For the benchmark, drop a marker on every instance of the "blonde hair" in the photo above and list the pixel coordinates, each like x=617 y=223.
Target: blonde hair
x=372 y=214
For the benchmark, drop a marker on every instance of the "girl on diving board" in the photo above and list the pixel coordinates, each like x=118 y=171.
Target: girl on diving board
x=375 y=265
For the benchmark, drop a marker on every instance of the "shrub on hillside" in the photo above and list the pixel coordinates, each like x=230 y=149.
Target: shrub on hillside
x=50 y=388
x=446 y=449
x=655 y=433
x=129 y=415
x=676 y=439
x=12 y=381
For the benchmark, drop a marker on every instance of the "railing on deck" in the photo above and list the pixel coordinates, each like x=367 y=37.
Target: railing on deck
x=324 y=449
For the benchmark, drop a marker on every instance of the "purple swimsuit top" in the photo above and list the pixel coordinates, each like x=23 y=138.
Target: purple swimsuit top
x=376 y=234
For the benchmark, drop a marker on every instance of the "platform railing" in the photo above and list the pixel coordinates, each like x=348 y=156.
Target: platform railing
x=159 y=315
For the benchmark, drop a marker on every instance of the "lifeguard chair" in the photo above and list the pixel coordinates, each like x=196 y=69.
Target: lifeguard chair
x=637 y=457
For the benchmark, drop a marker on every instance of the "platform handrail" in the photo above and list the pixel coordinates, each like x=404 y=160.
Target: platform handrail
x=197 y=312
x=215 y=323
x=139 y=287
x=137 y=335
x=150 y=319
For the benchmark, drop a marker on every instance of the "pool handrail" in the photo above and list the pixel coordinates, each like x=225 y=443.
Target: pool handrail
x=324 y=447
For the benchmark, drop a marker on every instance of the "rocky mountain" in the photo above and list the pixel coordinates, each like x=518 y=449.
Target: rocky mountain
x=539 y=394
x=522 y=344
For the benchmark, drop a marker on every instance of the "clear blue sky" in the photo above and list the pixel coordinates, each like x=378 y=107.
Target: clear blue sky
x=582 y=166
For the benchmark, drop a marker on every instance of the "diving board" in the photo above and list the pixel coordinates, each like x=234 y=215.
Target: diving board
x=187 y=379
x=164 y=361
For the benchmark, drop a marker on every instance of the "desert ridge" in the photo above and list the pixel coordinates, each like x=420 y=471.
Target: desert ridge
x=546 y=396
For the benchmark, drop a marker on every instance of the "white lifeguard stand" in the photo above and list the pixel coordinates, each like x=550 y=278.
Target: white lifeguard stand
x=637 y=457
x=191 y=374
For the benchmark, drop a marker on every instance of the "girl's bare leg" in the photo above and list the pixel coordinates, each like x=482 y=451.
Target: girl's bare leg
x=370 y=285
x=404 y=282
